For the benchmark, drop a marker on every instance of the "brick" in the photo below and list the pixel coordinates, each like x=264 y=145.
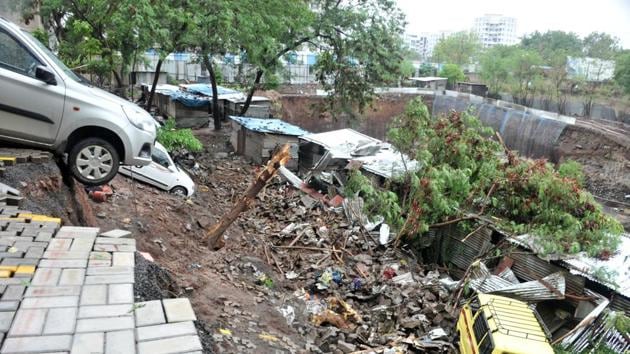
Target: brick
x=94 y=295
x=13 y=292
x=120 y=294
x=104 y=324
x=9 y=305
x=99 y=263
x=53 y=301
x=109 y=279
x=46 y=276
x=114 y=248
x=170 y=345
x=105 y=311
x=60 y=320
x=20 y=261
x=165 y=331
x=59 y=244
x=109 y=270
x=72 y=276
x=34 y=252
x=149 y=313
x=178 y=310
x=42 y=291
x=28 y=322
x=6 y=318
x=115 y=241
x=101 y=256
x=88 y=343
x=37 y=344
x=120 y=342
x=66 y=254
x=63 y=263
x=82 y=244
x=77 y=232
x=116 y=233
x=124 y=259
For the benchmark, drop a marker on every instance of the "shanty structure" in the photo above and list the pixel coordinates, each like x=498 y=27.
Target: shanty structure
x=473 y=88
x=257 y=138
x=430 y=82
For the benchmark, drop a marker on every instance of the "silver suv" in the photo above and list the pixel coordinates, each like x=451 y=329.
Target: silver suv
x=44 y=104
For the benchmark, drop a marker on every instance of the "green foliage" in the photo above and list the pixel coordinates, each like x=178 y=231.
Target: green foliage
x=41 y=36
x=459 y=48
x=425 y=70
x=462 y=164
x=550 y=43
x=619 y=321
x=377 y=201
x=406 y=69
x=573 y=170
x=622 y=72
x=173 y=138
x=453 y=73
x=495 y=67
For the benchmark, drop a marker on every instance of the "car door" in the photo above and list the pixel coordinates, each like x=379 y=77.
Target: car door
x=158 y=172
x=30 y=110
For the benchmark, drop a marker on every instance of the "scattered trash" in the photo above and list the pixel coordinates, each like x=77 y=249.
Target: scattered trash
x=291 y=275
x=225 y=332
x=389 y=273
x=384 y=234
x=289 y=314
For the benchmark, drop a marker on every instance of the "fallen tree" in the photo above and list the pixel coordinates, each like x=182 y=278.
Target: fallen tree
x=468 y=174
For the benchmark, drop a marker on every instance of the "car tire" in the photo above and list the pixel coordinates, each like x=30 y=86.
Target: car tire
x=93 y=161
x=179 y=191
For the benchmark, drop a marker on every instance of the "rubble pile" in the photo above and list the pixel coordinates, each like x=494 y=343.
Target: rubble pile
x=351 y=292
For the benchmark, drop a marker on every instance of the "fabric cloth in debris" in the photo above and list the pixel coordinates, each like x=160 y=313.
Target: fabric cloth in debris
x=272 y=126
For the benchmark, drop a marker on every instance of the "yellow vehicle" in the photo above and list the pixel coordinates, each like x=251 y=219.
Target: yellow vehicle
x=499 y=325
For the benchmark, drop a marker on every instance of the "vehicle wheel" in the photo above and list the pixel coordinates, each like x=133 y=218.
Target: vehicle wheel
x=93 y=161
x=179 y=191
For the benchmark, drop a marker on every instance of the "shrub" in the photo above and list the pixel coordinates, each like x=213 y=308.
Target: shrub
x=173 y=138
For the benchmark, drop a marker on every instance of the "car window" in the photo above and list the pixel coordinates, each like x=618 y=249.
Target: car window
x=14 y=57
x=158 y=156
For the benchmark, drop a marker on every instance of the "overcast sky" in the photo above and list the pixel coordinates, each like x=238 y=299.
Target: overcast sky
x=579 y=16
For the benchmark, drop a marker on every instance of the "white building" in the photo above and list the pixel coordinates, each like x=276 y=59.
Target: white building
x=423 y=43
x=495 y=29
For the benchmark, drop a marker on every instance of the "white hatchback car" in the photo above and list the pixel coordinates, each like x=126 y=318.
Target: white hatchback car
x=162 y=173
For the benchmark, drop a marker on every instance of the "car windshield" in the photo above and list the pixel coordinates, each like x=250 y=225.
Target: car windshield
x=54 y=58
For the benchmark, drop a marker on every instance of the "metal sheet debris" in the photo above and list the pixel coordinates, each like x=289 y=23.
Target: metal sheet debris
x=270 y=126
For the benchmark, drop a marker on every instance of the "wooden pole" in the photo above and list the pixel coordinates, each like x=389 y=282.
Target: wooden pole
x=214 y=237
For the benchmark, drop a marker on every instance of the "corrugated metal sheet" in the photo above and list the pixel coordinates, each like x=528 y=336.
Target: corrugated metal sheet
x=620 y=303
x=271 y=126
x=463 y=254
x=599 y=332
x=530 y=267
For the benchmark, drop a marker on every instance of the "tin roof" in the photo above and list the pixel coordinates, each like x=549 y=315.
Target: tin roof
x=206 y=90
x=270 y=126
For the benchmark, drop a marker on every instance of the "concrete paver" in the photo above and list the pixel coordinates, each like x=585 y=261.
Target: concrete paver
x=178 y=310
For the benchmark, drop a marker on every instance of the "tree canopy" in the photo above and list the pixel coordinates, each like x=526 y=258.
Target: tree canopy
x=459 y=48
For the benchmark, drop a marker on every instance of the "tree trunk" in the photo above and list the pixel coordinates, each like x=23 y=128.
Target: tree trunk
x=119 y=84
x=215 y=92
x=156 y=77
x=250 y=94
x=214 y=236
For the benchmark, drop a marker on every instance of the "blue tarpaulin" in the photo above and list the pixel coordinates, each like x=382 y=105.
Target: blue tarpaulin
x=273 y=126
x=206 y=90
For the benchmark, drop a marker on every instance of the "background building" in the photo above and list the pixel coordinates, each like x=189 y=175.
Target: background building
x=423 y=43
x=495 y=29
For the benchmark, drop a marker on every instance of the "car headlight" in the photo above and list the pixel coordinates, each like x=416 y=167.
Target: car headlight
x=140 y=118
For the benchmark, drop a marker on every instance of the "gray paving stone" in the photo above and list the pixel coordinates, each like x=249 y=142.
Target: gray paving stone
x=59 y=244
x=116 y=233
x=5 y=321
x=34 y=252
x=44 y=236
x=114 y=248
x=88 y=343
x=101 y=256
x=77 y=232
x=28 y=322
x=165 y=331
x=120 y=342
x=124 y=259
x=72 y=276
x=12 y=281
x=105 y=311
x=37 y=344
x=19 y=261
x=94 y=295
x=63 y=263
x=170 y=345
x=120 y=294
x=149 y=313
x=82 y=244
x=9 y=305
x=46 y=276
x=3 y=288
x=43 y=291
x=178 y=310
x=47 y=302
x=16 y=254
x=13 y=292
x=109 y=270
x=60 y=320
x=99 y=263
x=115 y=241
x=104 y=324
x=66 y=254
x=110 y=279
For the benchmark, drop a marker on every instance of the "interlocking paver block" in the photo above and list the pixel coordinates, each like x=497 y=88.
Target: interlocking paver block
x=46 y=276
x=72 y=276
x=13 y=292
x=60 y=320
x=28 y=322
x=53 y=301
x=105 y=311
x=114 y=248
x=88 y=343
x=170 y=345
x=124 y=259
x=149 y=313
x=66 y=254
x=99 y=263
x=109 y=279
x=120 y=342
x=59 y=244
x=101 y=256
x=37 y=344
x=20 y=261
x=109 y=270
x=44 y=236
x=82 y=244
x=94 y=295
x=115 y=241
x=104 y=324
x=43 y=291
x=77 y=232
x=5 y=321
x=9 y=305
x=165 y=331
x=34 y=252
x=178 y=310
x=120 y=294
x=117 y=233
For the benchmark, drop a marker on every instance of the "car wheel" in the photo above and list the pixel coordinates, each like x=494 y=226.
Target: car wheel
x=179 y=191
x=93 y=161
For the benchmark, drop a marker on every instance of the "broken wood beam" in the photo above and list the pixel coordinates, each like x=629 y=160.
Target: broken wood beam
x=214 y=236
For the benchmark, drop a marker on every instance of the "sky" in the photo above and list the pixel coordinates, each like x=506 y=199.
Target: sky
x=579 y=16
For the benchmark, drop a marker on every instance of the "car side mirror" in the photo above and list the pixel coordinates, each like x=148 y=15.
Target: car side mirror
x=44 y=74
